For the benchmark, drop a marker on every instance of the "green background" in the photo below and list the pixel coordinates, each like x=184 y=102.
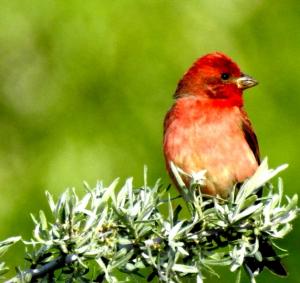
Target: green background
x=85 y=86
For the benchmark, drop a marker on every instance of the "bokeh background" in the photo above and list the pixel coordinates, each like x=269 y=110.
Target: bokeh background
x=84 y=87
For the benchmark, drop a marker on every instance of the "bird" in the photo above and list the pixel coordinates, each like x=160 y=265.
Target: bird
x=207 y=128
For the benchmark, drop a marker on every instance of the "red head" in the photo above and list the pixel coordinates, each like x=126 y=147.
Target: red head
x=214 y=76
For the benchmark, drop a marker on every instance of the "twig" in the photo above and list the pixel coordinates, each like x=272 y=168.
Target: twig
x=48 y=268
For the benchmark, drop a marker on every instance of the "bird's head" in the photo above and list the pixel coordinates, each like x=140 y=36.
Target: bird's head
x=214 y=76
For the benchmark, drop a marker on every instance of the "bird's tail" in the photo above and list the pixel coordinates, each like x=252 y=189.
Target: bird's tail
x=269 y=259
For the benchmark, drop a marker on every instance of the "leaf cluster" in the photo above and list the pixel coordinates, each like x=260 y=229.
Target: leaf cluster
x=111 y=230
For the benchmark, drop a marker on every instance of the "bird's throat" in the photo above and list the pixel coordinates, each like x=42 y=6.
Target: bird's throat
x=236 y=100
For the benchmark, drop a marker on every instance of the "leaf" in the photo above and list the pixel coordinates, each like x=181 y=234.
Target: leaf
x=81 y=206
x=185 y=268
x=43 y=220
x=174 y=231
x=248 y=202
x=246 y=212
x=50 y=201
x=122 y=258
x=6 y=244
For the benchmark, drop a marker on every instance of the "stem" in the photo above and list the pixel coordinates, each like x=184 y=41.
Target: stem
x=45 y=269
x=239 y=275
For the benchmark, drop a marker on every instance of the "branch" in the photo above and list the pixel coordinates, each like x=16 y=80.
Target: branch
x=48 y=268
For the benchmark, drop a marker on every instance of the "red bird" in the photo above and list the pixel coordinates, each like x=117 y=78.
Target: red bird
x=208 y=128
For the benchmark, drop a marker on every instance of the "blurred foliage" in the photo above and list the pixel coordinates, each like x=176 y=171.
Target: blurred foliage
x=85 y=86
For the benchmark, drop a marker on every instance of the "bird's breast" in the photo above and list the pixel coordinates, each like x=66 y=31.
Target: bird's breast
x=201 y=137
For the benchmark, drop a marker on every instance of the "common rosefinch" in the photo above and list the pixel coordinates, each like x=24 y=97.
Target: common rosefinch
x=208 y=128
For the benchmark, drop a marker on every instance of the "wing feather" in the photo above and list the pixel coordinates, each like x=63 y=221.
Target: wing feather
x=250 y=136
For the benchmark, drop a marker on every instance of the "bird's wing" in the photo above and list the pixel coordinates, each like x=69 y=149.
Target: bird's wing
x=250 y=136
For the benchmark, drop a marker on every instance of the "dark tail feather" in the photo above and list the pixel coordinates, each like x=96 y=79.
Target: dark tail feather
x=269 y=259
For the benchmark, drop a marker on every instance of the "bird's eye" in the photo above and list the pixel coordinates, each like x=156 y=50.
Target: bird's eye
x=225 y=76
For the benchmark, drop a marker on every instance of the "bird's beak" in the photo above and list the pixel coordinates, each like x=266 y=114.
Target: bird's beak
x=246 y=81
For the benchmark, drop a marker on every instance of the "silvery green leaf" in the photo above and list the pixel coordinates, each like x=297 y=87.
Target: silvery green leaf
x=182 y=251
x=27 y=277
x=124 y=241
x=63 y=247
x=130 y=267
x=43 y=220
x=281 y=232
x=292 y=202
x=286 y=218
x=275 y=200
x=122 y=196
x=50 y=202
x=167 y=226
x=184 y=268
x=248 y=202
x=237 y=254
x=36 y=233
x=145 y=176
x=215 y=260
x=3 y=269
x=82 y=205
x=199 y=279
x=144 y=230
x=55 y=232
x=258 y=256
x=198 y=178
x=87 y=251
x=174 y=231
x=135 y=209
x=101 y=265
x=35 y=221
x=177 y=171
x=7 y=243
x=250 y=210
x=221 y=223
x=219 y=208
x=109 y=193
x=253 y=248
x=262 y=175
x=139 y=265
x=185 y=230
x=120 y=261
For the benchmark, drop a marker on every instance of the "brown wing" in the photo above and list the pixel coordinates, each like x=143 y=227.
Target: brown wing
x=250 y=136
